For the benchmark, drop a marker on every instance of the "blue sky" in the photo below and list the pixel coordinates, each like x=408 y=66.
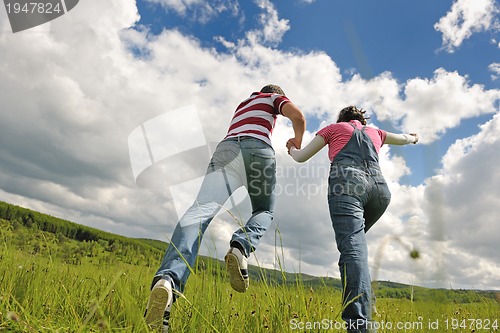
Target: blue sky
x=77 y=91
x=366 y=37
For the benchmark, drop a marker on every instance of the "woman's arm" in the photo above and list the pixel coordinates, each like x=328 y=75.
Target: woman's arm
x=400 y=139
x=302 y=155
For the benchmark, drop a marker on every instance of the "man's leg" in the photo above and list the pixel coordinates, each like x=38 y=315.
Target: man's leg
x=219 y=183
x=260 y=166
x=217 y=186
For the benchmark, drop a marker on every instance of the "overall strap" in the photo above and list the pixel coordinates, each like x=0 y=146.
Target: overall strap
x=359 y=149
x=368 y=150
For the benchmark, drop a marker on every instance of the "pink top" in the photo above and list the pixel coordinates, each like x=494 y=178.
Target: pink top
x=337 y=135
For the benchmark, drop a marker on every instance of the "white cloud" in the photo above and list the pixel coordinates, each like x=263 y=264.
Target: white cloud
x=449 y=219
x=273 y=28
x=494 y=40
x=199 y=10
x=427 y=106
x=435 y=105
x=74 y=91
x=180 y=6
x=495 y=69
x=87 y=92
x=465 y=18
x=460 y=198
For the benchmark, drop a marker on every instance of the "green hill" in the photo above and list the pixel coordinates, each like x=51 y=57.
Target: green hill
x=37 y=233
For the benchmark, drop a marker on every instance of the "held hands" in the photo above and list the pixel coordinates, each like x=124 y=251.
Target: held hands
x=292 y=142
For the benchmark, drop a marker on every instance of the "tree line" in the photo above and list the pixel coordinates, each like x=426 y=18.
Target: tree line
x=39 y=233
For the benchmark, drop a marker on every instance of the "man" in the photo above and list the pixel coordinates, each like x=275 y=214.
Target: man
x=244 y=158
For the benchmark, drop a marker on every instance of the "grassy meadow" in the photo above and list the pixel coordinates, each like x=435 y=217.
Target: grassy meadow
x=52 y=283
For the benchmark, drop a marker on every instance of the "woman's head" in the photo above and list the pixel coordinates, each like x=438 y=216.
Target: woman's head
x=352 y=113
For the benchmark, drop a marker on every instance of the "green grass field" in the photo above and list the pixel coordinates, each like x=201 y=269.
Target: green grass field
x=44 y=295
x=49 y=283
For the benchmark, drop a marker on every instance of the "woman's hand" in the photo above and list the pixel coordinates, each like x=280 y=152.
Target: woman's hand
x=416 y=137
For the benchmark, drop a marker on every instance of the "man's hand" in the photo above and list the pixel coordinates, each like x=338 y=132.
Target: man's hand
x=292 y=142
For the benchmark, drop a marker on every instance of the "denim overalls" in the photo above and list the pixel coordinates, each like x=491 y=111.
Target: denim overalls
x=357 y=197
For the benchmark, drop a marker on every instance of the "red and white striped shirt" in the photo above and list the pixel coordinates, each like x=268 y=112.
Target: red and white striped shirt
x=256 y=116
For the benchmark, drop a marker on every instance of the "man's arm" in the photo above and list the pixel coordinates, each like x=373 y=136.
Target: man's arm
x=292 y=112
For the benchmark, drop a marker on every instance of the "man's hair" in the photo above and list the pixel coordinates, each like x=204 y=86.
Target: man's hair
x=352 y=113
x=272 y=88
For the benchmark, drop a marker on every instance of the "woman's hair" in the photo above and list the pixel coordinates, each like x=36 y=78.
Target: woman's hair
x=352 y=113
x=272 y=88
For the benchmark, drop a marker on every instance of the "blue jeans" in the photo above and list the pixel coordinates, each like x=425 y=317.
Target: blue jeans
x=236 y=162
x=357 y=197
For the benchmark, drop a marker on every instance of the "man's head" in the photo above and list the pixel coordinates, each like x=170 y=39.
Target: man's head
x=272 y=88
x=352 y=113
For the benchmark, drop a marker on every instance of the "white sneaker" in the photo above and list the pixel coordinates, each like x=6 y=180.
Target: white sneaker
x=237 y=267
x=159 y=306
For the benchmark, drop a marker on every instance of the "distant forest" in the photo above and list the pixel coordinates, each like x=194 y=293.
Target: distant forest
x=41 y=233
x=36 y=233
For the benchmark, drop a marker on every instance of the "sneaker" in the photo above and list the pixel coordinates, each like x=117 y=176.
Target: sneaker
x=159 y=306
x=237 y=267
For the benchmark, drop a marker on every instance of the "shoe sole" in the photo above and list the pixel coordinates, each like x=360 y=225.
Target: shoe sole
x=236 y=279
x=158 y=301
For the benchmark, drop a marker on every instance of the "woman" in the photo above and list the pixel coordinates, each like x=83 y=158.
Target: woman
x=358 y=195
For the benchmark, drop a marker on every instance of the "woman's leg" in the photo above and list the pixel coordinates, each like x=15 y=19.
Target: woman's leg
x=380 y=197
x=347 y=219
